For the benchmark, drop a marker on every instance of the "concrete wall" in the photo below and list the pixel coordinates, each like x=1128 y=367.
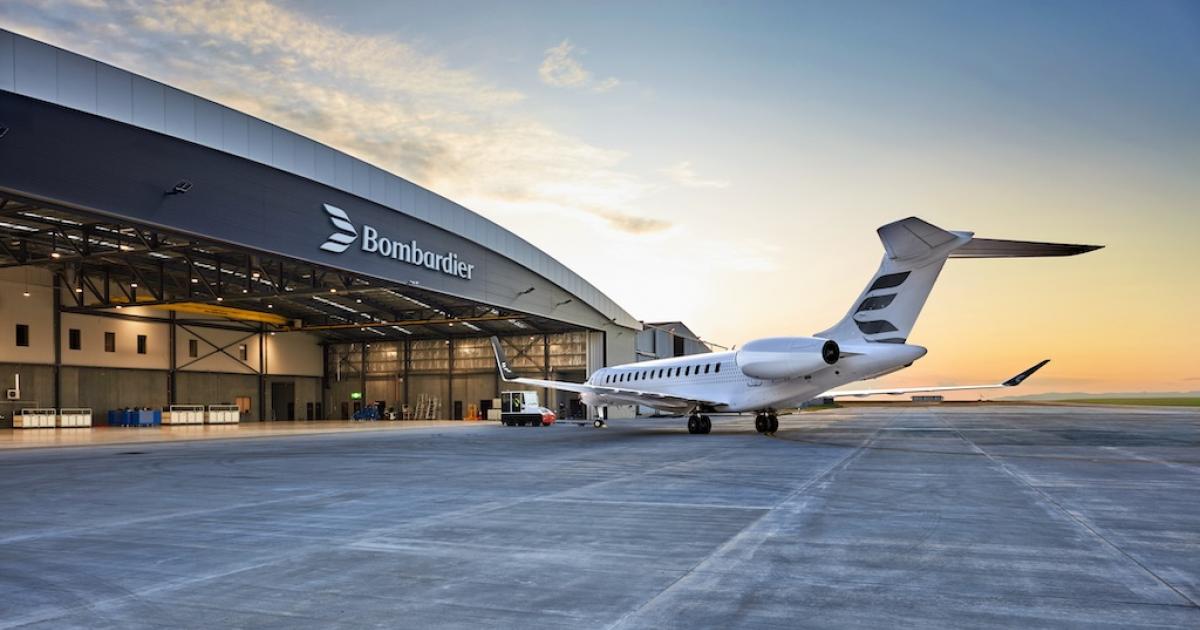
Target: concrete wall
x=103 y=389
x=34 y=311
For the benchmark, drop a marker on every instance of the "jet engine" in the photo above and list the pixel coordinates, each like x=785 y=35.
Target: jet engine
x=786 y=357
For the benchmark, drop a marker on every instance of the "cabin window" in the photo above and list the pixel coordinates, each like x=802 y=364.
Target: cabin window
x=707 y=366
x=687 y=371
x=718 y=370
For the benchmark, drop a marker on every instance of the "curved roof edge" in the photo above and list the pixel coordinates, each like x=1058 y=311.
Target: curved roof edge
x=39 y=70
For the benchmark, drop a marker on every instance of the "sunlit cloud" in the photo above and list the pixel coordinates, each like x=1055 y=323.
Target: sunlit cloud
x=684 y=175
x=561 y=68
x=373 y=96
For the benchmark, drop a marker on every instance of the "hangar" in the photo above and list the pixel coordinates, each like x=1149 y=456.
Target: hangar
x=157 y=249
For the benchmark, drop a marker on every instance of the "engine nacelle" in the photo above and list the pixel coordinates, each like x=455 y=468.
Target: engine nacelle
x=786 y=357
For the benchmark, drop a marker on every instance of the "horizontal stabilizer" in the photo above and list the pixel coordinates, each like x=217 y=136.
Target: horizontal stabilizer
x=896 y=391
x=998 y=248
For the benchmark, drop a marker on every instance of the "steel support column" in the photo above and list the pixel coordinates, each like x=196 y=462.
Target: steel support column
x=407 y=368
x=172 y=398
x=450 y=377
x=57 y=326
x=262 y=374
x=546 y=373
x=362 y=372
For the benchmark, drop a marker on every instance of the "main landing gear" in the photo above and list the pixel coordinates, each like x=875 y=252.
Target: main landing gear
x=599 y=424
x=699 y=424
x=766 y=423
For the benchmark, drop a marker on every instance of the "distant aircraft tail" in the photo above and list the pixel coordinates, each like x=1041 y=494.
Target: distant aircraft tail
x=914 y=252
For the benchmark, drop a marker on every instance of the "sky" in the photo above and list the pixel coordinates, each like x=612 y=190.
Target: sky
x=726 y=164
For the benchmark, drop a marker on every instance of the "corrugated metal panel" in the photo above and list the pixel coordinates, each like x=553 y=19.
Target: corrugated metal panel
x=258 y=140
x=7 y=61
x=77 y=82
x=208 y=124
x=114 y=93
x=235 y=133
x=35 y=70
x=148 y=109
x=179 y=114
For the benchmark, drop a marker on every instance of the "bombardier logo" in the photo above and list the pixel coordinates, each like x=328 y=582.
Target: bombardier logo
x=373 y=243
x=339 y=241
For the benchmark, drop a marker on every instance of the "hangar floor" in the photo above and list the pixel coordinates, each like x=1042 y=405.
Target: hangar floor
x=94 y=436
x=868 y=517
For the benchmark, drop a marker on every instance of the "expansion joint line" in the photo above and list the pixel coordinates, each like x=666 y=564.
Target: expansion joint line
x=1077 y=520
x=836 y=466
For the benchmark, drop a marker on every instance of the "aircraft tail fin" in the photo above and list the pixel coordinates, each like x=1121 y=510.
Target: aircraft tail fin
x=914 y=253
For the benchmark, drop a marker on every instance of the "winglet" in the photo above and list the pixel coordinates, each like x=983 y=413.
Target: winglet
x=502 y=361
x=1018 y=379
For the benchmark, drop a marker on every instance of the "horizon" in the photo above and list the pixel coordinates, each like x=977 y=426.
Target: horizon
x=733 y=153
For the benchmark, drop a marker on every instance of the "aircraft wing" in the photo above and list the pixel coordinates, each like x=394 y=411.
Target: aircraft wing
x=1012 y=382
x=633 y=396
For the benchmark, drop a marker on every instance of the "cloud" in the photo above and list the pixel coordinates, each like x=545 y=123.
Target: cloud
x=560 y=69
x=683 y=174
x=373 y=96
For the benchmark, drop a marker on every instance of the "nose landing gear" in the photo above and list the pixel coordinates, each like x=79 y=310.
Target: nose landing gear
x=699 y=424
x=766 y=423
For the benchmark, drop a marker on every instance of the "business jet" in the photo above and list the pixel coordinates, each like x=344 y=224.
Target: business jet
x=775 y=374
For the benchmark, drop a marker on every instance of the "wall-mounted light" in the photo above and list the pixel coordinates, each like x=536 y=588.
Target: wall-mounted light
x=180 y=188
x=3 y=131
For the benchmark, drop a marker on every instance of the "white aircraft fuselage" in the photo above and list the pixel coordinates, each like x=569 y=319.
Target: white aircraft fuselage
x=699 y=379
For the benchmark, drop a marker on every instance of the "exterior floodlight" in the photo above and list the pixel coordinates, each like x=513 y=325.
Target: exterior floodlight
x=180 y=188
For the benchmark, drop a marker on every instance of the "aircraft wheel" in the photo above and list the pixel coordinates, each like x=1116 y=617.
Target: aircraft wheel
x=599 y=424
x=693 y=425
x=774 y=422
x=761 y=424
x=705 y=425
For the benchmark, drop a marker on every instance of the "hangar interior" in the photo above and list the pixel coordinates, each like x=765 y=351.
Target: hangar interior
x=111 y=315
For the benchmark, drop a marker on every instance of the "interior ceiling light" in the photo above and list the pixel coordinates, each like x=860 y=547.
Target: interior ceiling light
x=55 y=255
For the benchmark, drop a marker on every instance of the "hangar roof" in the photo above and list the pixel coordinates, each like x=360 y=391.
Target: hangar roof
x=38 y=70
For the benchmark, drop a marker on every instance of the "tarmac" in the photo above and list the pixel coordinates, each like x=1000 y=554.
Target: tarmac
x=948 y=516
